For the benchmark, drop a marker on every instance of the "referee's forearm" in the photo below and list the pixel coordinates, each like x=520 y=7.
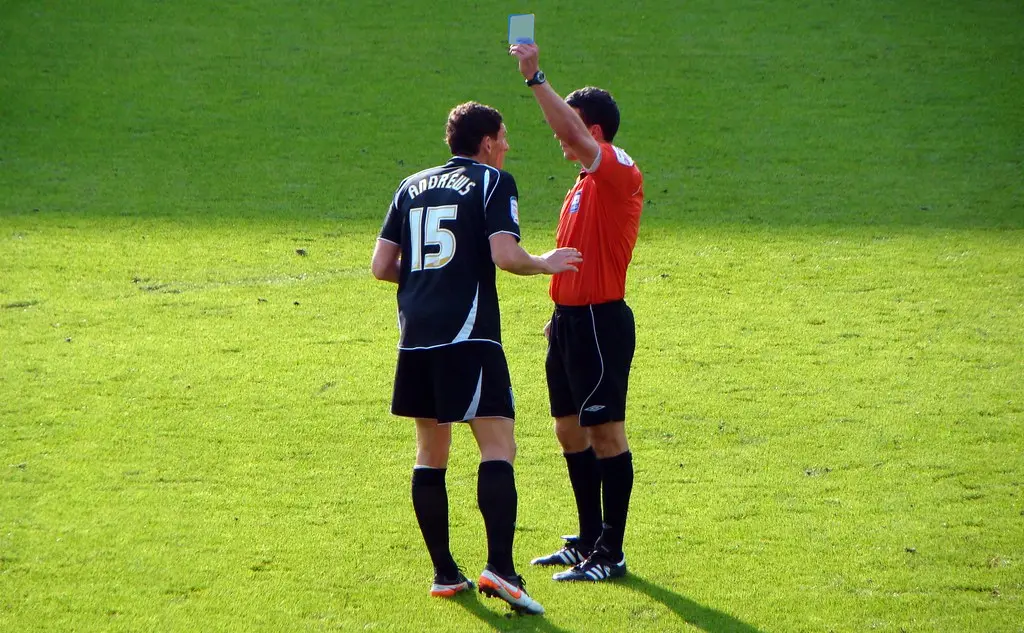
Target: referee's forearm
x=563 y=120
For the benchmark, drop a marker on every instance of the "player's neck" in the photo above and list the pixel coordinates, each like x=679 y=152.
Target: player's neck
x=483 y=158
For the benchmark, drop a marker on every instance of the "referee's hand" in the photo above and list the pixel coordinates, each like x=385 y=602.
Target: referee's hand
x=528 y=55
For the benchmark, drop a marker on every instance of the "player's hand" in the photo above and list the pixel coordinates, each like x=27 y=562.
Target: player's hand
x=562 y=260
x=528 y=58
x=547 y=330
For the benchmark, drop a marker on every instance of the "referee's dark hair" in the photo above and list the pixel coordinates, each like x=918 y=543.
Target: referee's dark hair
x=468 y=124
x=597 y=108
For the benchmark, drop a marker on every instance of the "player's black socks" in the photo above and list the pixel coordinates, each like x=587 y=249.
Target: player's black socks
x=498 y=501
x=585 y=478
x=430 y=501
x=617 y=484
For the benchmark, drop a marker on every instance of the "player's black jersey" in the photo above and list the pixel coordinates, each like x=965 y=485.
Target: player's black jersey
x=443 y=218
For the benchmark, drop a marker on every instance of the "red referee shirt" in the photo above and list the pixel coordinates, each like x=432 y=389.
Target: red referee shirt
x=601 y=218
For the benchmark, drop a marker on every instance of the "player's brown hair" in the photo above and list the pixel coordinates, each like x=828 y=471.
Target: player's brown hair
x=468 y=124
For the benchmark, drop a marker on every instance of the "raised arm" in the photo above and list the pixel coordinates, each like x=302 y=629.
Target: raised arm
x=564 y=121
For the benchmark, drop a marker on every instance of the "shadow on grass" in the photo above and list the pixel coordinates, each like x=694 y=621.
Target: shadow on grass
x=696 y=615
x=503 y=620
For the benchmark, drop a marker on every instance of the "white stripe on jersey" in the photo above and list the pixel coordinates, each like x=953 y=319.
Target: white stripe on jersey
x=488 y=194
x=475 y=404
x=467 y=327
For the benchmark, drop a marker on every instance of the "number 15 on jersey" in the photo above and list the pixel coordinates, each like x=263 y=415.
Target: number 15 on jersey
x=425 y=230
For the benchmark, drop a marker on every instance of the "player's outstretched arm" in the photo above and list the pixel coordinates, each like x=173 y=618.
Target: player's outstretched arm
x=385 y=263
x=509 y=256
x=564 y=121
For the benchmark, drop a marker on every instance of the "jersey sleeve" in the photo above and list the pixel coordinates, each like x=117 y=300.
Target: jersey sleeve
x=617 y=168
x=501 y=206
x=392 y=229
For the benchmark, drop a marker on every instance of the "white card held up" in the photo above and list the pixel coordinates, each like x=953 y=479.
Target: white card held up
x=520 y=28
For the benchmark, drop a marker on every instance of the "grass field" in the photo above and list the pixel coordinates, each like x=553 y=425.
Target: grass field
x=826 y=407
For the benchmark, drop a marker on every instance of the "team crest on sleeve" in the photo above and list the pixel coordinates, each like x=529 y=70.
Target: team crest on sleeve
x=513 y=206
x=575 y=206
x=623 y=156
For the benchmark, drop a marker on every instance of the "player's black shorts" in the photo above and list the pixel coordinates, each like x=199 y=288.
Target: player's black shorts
x=590 y=350
x=453 y=383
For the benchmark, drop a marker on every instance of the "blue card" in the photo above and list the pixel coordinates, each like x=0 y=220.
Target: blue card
x=520 y=28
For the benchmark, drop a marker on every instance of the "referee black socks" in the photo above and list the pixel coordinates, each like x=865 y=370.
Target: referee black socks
x=617 y=485
x=585 y=478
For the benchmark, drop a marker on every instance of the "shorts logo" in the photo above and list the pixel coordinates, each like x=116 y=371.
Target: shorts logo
x=575 y=206
x=594 y=408
x=513 y=206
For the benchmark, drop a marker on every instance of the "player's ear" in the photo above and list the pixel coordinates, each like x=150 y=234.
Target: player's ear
x=486 y=144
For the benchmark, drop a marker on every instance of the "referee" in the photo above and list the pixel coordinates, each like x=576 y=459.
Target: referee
x=591 y=335
x=446 y=229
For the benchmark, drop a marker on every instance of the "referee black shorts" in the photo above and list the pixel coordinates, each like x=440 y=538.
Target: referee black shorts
x=590 y=350
x=453 y=383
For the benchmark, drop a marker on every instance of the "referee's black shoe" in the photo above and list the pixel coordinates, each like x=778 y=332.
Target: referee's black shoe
x=572 y=553
x=599 y=566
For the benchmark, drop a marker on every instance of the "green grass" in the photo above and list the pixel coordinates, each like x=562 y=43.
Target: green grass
x=829 y=287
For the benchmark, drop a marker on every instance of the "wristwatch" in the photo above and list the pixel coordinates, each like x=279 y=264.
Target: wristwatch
x=537 y=79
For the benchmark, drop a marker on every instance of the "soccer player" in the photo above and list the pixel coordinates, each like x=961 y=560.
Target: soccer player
x=591 y=335
x=446 y=229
